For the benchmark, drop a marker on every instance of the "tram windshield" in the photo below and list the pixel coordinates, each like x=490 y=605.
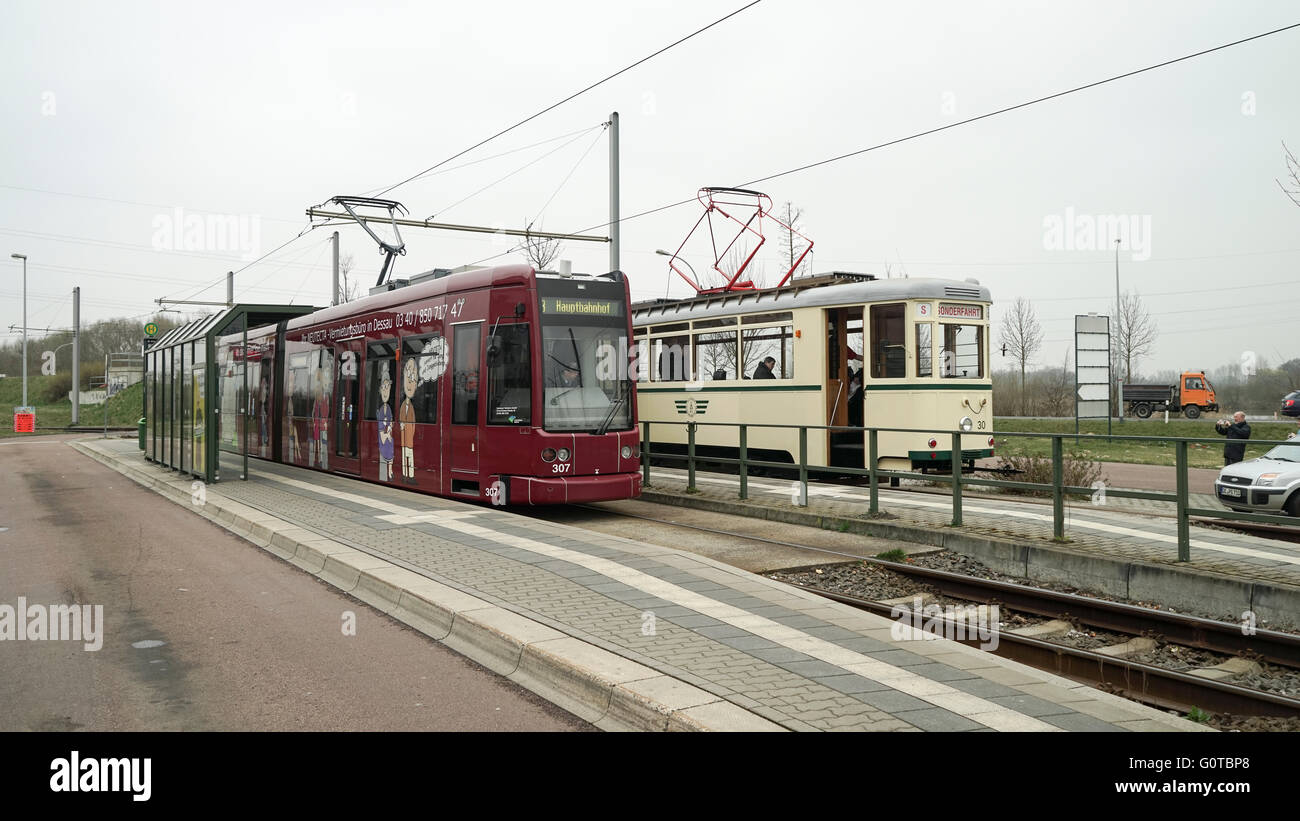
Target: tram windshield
x=586 y=383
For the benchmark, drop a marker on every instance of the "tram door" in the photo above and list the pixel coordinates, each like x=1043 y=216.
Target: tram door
x=346 y=404
x=466 y=351
x=844 y=403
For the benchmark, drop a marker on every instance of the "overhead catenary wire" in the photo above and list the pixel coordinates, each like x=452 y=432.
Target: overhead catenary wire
x=573 y=96
x=568 y=176
x=498 y=156
x=948 y=126
x=249 y=265
x=324 y=247
x=126 y=202
x=112 y=274
x=297 y=254
x=500 y=180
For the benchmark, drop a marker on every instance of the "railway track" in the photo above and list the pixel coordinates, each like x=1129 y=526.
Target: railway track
x=1147 y=683
x=1282 y=533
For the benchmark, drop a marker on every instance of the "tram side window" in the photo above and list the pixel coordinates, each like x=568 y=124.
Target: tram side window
x=380 y=357
x=924 y=348
x=888 y=350
x=321 y=386
x=465 y=356
x=510 y=385
x=297 y=386
x=672 y=358
x=640 y=365
x=757 y=344
x=424 y=360
x=716 y=355
x=963 y=352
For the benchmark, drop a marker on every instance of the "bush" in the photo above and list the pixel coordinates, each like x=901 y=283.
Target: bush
x=1038 y=470
x=57 y=388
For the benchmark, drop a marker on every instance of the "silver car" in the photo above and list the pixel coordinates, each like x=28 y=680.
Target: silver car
x=1269 y=484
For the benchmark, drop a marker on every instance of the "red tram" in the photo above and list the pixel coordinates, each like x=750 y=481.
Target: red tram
x=504 y=384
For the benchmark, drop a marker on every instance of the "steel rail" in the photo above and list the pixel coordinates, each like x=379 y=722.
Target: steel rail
x=1156 y=686
x=1194 y=631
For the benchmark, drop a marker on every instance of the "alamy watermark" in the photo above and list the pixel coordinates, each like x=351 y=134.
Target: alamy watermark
x=1249 y=363
x=77 y=774
x=224 y=233
x=1089 y=232
x=53 y=622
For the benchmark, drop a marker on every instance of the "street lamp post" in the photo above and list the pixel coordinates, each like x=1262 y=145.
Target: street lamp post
x=661 y=252
x=23 y=257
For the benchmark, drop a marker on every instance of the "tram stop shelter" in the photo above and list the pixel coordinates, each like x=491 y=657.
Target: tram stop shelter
x=183 y=417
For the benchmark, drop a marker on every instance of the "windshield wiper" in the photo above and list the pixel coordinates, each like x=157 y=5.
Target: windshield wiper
x=577 y=357
x=609 y=417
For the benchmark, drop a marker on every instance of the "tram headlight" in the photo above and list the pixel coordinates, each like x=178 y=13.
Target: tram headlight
x=563 y=454
x=626 y=451
x=966 y=424
x=548 y=455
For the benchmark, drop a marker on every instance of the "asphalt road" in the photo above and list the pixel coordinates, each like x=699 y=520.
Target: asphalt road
x=204 y=631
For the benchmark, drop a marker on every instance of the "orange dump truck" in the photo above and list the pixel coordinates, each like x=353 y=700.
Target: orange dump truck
x=1192 y=395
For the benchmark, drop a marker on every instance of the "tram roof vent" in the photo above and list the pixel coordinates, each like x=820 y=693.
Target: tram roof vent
x=436 y=273
x=390 y=285
x=961 y=293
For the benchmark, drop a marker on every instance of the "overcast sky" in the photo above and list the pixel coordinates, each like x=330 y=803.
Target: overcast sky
x=117 y=114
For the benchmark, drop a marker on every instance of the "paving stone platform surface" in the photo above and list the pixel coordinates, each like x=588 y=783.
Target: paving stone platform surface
x=780 y=653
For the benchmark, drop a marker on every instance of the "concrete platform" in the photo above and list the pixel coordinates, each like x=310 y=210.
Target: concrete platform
x=626 y=635
x=1112 y=549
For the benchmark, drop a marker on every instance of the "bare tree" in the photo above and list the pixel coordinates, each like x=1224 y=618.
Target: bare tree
x=540 y=251
x=1021 y=336
x=349 y=291
x=1060 y=392
x=790 y=246
x=1135 y=333
x=755 y=273
x=1293 y=176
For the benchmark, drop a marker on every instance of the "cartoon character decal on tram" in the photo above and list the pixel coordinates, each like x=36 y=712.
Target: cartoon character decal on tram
x=406 y=417
x=384 y=424
x=291 y=427
x=320 y=414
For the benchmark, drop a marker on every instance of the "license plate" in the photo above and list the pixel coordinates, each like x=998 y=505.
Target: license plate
x=1234 y=492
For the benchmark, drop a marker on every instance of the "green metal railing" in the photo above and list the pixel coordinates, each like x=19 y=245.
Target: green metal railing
x=954 y=478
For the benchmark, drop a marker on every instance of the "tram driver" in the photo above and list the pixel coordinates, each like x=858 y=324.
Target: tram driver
x=563 y=375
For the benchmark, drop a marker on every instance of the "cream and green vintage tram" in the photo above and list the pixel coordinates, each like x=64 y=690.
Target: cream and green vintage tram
x=838 y=349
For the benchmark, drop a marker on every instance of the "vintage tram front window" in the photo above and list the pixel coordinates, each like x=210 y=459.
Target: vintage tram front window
x=888 y=350
x=963 y=352
x=924 y=349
